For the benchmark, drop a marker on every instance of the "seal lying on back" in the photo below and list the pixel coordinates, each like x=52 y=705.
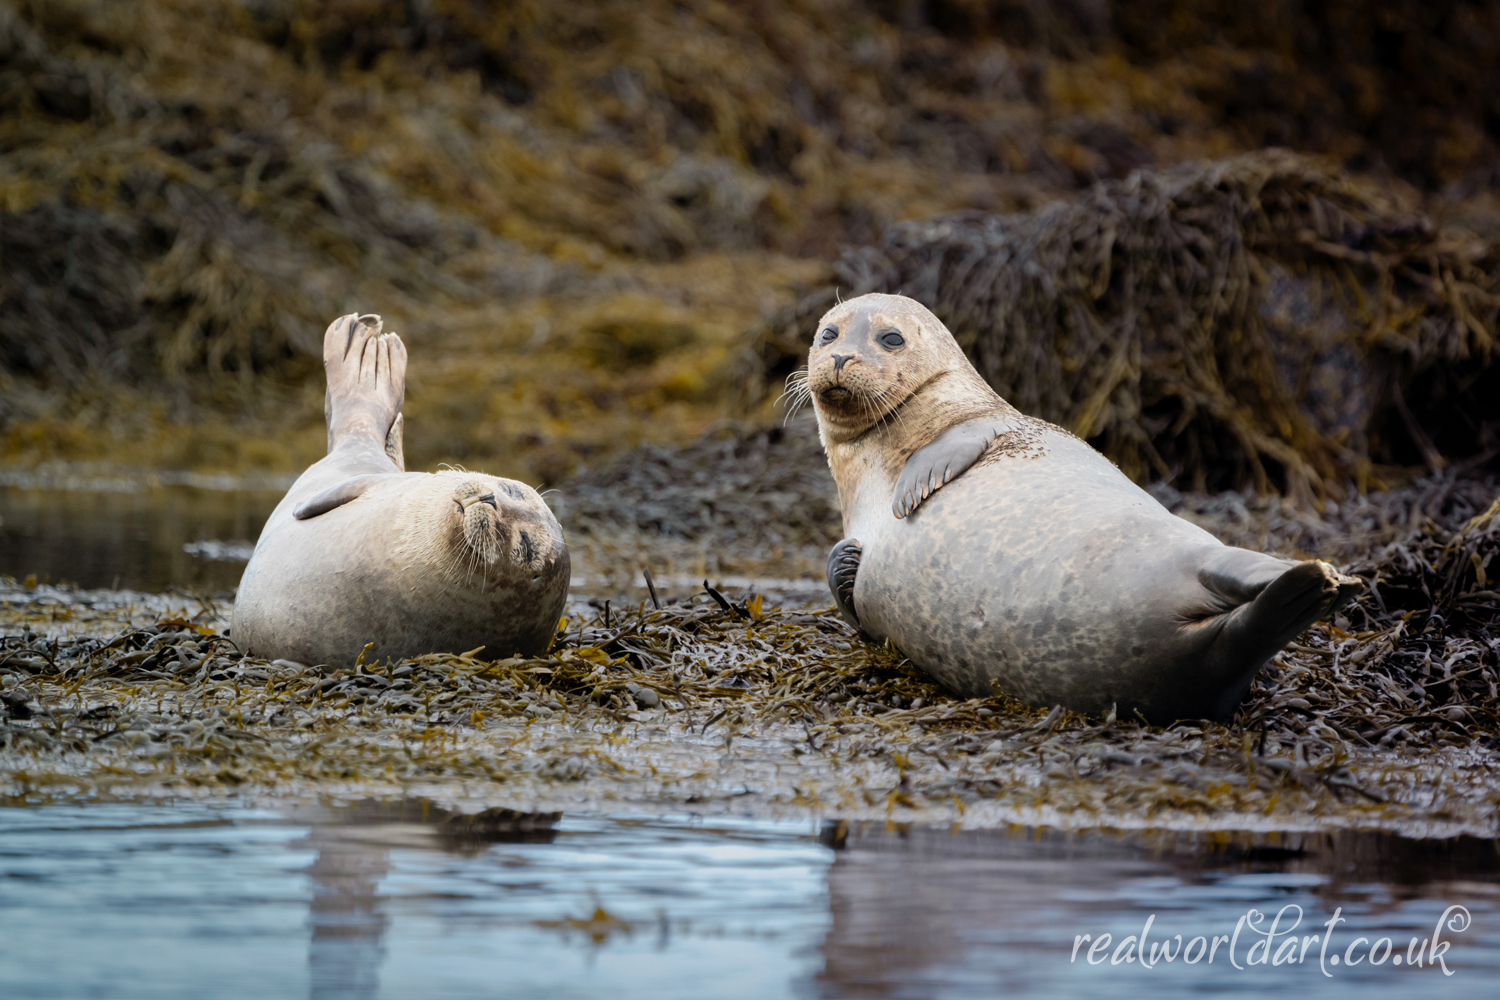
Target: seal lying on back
x=360 y=550
x=998 y=551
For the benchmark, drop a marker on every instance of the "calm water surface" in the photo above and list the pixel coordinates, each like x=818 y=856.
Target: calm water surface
x=193 y=900
x=132 y=537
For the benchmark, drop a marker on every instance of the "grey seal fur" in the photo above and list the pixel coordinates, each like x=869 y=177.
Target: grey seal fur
x=998 y=551
x=360 y=550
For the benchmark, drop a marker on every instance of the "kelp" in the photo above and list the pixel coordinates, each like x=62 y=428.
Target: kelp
x=1263 y=320
x=742 y=499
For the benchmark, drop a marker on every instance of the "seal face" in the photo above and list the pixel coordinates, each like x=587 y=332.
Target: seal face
x=361 y=551
x=1000 y=552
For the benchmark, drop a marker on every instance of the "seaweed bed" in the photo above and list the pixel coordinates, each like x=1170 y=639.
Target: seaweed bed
x=1383 y=718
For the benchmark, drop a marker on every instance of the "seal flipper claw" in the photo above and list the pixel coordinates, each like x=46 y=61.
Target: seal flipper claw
x=843 y=564
x=942 y=460
x=336 y=496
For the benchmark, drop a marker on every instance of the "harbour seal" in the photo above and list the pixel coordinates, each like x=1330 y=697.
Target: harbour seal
x=360 y=550
x=997 y=550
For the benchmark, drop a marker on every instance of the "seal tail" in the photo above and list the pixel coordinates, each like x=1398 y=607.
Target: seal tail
x=1275 y=604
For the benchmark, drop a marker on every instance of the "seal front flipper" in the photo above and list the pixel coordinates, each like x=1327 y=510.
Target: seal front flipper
x=1254 y=632
x=336 y=496
x=941 y=460
x=843 y=564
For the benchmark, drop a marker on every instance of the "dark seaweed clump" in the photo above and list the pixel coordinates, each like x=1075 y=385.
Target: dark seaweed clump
x=1261 y=321
x=735 y=490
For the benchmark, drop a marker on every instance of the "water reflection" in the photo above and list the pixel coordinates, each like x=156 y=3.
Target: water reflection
x=931 y=913
x=346 y=918
x=146 y=539
x=400 y=899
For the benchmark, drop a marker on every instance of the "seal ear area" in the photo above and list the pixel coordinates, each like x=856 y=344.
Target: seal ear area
x=337 y=495
x=942 y=460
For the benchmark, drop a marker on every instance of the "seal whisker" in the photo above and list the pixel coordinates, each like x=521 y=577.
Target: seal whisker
x=802 y=398
x=795 y=387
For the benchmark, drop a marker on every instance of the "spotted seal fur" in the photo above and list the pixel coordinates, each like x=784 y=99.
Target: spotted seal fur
x=999 y=551
x=360 y=550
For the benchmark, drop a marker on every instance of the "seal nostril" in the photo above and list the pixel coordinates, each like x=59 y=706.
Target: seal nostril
x=489 y=498
x=460 y=505
x=839 y=360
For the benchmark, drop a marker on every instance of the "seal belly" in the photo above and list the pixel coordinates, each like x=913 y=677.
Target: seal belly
x=316 y=591
x=1056 y=589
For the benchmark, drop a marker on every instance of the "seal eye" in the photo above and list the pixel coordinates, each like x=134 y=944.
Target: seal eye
x=892 y=339
x=828 y=336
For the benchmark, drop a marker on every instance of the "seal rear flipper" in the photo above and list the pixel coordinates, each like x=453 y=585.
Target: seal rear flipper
x=1236 y=576
x=366 y=371
x=1253 y=633
x=336 y=496
x=942 y=460
x=843 y=565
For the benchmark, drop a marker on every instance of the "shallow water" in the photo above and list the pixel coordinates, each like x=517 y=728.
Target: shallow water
x=375 y=900
x=132 y=537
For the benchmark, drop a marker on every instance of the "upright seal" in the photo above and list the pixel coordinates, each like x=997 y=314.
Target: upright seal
x=360 y=550
x=998 y=551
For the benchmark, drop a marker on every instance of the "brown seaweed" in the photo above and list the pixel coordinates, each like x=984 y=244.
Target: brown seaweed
x=1262 y=321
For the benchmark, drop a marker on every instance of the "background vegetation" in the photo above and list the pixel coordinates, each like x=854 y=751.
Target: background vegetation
x=584 y=217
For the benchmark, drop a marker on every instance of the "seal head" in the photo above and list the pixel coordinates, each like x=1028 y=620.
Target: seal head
x=499 y=527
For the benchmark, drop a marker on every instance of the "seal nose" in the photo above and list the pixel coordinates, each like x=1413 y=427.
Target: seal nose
x=465 y=503
x=839 y=360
